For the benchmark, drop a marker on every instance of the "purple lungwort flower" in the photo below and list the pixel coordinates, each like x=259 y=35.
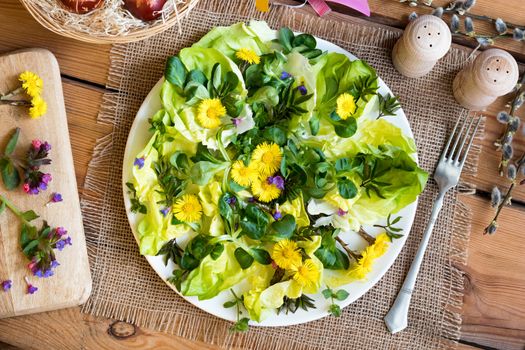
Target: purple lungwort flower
x=165 y=211
x=277 y=180
x=56 y=197
x=236 y=121
x=31 y=289
x=285 y=75
x=341 y=212
x=60 y=245
x=139 y=162
x=54 y=264
x=277 y=215
x=302 y=89
x=6 y=285
x=232 y=200
x=60 y=231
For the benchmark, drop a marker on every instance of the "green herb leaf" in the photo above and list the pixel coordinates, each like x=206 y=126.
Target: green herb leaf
x=286 y=37
x=327 y=293
x=314 y=125
x=229 y=304
x=261 y=256
x=28 y=248
x=345 y=128
x=175 y=71
x=225 y=208
x=10 y=175
x=240 y=326
x=11 y=144
x=284 y=227
x=304 y=40
x=188 y=261
x=347 y=189
x=202 y=172
x=335 y=310
x=243 y=258
x=217 y=250
x=197 y=76
x=275 y=134
x=341 y=295
x=29 y=216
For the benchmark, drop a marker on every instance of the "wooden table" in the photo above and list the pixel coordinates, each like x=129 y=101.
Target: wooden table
x=494 y=307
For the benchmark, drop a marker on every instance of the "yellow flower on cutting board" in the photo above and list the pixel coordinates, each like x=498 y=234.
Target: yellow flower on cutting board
x=38 y=107
x=209 y=112
x=345 y=106
x=306 y=274
x=242 y=174
x=188 y=208
x=248 y=55
x=31 y=83
x=266 y=158
x=264 y=191
x=286 y=254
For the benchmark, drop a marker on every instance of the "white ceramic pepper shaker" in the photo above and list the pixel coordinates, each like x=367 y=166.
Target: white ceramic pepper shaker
x=425 y=40
x=492 y=74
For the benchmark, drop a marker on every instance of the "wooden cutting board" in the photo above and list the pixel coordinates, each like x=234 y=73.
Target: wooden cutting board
x=71 y=284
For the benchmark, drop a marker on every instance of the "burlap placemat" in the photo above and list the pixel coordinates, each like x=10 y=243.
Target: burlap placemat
x=126 y=287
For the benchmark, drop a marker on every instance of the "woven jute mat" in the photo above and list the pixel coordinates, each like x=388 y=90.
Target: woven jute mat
x=126 y=287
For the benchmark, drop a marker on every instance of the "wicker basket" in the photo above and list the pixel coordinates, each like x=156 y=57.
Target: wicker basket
x=63 y=27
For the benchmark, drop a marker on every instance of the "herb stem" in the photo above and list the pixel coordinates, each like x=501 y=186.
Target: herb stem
x=15 y=92
x=15 y=102
x=13 y=208
x=347 y=250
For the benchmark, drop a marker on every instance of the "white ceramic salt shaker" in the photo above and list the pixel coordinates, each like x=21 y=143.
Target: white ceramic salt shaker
x=425 y=40
x=492 y=74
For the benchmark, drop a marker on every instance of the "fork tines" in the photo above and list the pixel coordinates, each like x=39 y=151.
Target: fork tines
x=468 y=129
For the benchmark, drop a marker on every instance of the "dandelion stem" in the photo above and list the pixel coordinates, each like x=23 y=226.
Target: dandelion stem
x=15 y=102
x=347 y=250
x=10 y=94
x=366 y=236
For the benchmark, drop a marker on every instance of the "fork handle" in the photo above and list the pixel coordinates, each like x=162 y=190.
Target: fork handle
x=397 y=318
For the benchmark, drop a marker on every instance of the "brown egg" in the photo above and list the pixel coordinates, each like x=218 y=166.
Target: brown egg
x=82 y=6
x=146 y=10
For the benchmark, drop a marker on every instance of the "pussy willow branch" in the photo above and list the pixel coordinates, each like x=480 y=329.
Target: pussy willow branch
x=472 y=15
x=505 y=200
x=514 y=106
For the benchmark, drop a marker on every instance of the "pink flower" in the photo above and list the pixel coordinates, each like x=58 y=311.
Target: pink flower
x=36 y=144
x=341 y=212
x=26 y=188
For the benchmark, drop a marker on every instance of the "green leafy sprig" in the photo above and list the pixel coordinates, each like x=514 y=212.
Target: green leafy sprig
x=136 y=205
x=242 y=322
x=8 y=168
x=339 y=295
x=388 y=105
x=293 y=304
x=390 y=229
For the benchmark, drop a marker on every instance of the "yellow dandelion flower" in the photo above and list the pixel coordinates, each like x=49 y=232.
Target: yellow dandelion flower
x=210 y=111
x=345 y=105
x=38 y=107
x=264 y=191
x=266 y=158
x=242 y=174
x=380 y=245
x=31 y=83
x=248 y=55
x=363 y=265
x=306 y=274
x=188 y=208
x=286 y=254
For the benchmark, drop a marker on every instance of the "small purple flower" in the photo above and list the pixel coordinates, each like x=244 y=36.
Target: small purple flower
x=6 y=285
x=56 y=197
x=277 y=215
x=31 y=289
x=285 y=75
x=139 y=162
x=46 y=147
x=302 y=89
x=278 y=181
x=33 y=266
x=251 y=199
x=60 y=245
x=46 y=178
x=165 y=211
x=54 y=264
x=236 y=121
x=60 y=231
x=341 y=212
x=232 y=200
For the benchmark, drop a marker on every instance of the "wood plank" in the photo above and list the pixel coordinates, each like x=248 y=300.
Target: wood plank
x=77 y=59
x=494 y=307
x=69 y=329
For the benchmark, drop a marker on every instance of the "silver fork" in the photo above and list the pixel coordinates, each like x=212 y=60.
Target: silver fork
x=447 y=176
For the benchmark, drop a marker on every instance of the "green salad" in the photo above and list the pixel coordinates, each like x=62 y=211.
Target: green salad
x=265 y=150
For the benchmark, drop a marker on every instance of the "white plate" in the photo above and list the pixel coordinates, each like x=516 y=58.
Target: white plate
x=137 y=140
